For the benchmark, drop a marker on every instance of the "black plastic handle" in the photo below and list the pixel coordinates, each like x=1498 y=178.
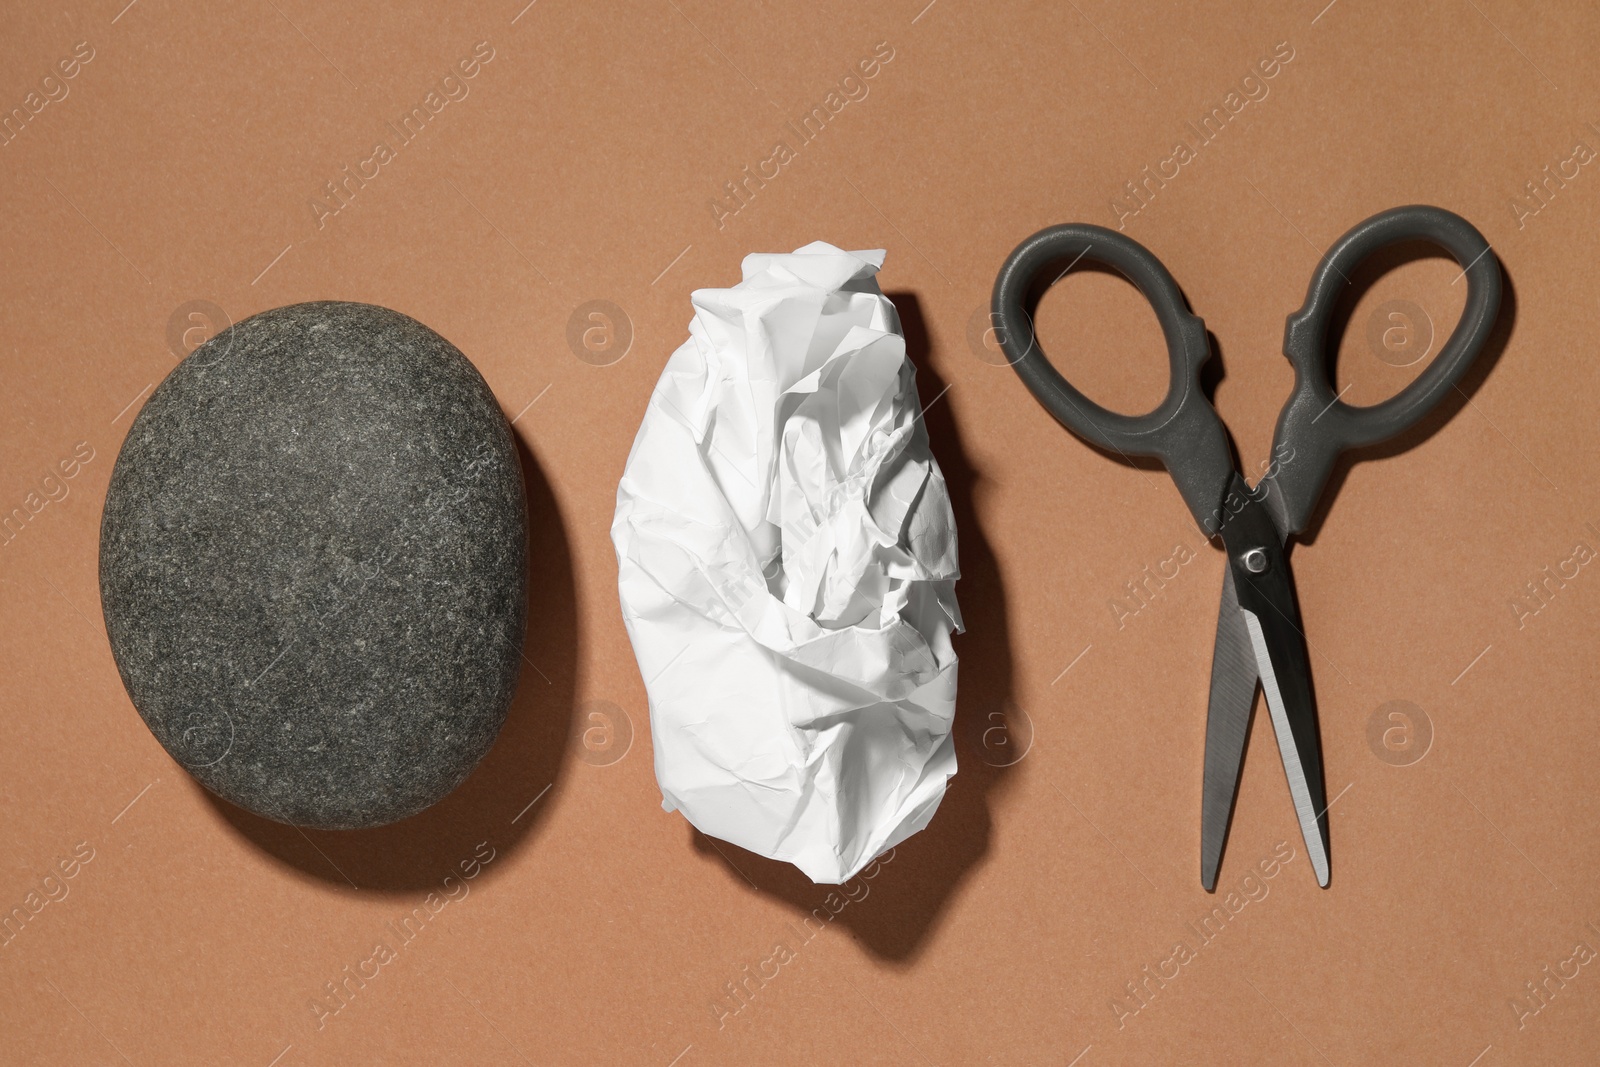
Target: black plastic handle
x=1183 y=431
x=1316 y=426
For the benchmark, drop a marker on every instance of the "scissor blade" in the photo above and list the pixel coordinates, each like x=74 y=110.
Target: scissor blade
x=1233 y=698
x=1286 y=680
x=1259 y=563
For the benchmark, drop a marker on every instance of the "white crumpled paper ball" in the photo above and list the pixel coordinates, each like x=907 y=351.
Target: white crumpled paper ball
x=787 y=560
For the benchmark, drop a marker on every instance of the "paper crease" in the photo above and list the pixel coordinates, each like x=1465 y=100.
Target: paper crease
x=787 y=566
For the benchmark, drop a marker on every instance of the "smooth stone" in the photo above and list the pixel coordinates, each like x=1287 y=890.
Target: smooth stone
x=313 y=565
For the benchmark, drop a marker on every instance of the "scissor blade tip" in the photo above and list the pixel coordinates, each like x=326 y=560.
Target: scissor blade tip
x=1320 y=865
x=1208 y=873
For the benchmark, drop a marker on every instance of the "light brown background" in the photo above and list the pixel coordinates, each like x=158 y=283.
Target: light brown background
x=580 y=167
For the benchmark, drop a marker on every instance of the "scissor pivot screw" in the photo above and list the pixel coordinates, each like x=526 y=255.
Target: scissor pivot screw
x=1254 y=560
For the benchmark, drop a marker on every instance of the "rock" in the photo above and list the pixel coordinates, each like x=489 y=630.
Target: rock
x=313 y=565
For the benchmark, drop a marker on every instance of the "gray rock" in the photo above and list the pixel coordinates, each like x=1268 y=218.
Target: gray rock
x=313 y=565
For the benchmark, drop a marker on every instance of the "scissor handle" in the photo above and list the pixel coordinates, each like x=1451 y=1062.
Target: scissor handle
x=1183 y=431
x=1315 y=425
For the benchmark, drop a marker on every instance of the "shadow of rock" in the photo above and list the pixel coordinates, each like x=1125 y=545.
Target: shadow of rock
x=908 y=895
x=492 y=804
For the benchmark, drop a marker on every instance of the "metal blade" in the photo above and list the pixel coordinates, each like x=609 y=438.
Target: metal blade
x=1286 y=685
x=1259 y=563
x=1228 y=715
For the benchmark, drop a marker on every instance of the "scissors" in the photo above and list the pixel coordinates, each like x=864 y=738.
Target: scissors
x=1259 y=638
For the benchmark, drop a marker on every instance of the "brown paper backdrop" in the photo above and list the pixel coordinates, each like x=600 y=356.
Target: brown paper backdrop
x=168 y=184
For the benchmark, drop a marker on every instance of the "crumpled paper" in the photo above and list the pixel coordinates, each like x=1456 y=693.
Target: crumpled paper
x=787 y=560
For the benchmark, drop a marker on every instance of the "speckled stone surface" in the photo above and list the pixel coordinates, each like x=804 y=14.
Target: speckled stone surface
x=313 y=565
